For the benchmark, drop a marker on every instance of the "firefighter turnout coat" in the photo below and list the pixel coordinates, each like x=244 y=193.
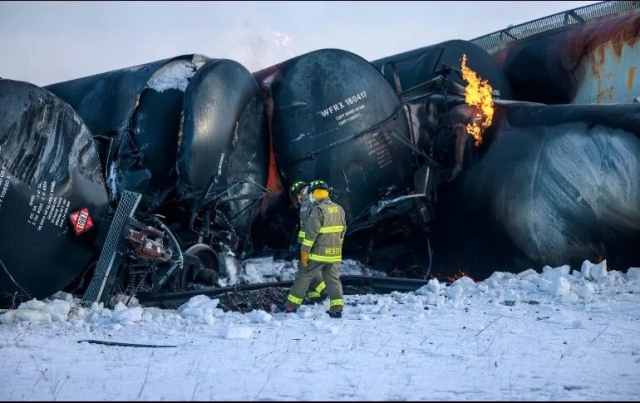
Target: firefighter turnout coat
x=324 y=232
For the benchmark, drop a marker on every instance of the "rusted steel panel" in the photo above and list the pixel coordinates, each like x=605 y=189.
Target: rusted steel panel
x=609 y=74
x=588 y=63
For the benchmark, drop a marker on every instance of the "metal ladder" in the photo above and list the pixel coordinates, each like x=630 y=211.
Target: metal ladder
x=105 y=275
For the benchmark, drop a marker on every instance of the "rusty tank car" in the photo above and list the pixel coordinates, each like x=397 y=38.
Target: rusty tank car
x=586 y=55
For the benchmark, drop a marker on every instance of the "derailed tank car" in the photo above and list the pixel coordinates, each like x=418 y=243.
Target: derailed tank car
x=587 y=55
x=134 y=115
x=552 y=185
x=410 y=69
x=216 y=153
x=188 y=133
x=222 y=159
x=49 y=169
x=437 y=69
x=334 y=117
x=507 y=204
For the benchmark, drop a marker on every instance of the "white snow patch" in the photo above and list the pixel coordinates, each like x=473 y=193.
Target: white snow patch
x=355 y=268
x=259 y=316
x=529 y=273
x=38 y=312
x=569 y=298
x=235 y=332
x=33 y=305
x=59 y=309
x=126 y=316
x=231 y=268
x=559 y=286
x=266 y=270
x=553 y=273
x=381 y=338
x=201 y=309
x=8 y=317
x=269 y=270
x=112 y=180
x=33 y=316
x=175 y=74
x=454 y=291
x=258 y=270
x=578 y=324
x=434 y=286
x=633 y=274
x=584 y=291
x=592 y=271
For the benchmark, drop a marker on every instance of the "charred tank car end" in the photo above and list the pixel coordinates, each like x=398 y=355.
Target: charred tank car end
x=134 y=115
x=410 y=69
x=222 y=155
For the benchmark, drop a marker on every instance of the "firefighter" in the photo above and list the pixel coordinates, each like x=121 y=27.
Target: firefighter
x=300 y=199
x=321 y=250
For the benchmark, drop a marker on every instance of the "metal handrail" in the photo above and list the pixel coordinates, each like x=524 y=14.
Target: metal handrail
x=498 y=40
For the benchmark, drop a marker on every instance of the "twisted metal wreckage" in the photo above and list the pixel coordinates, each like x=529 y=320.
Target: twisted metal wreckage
x=493 y=154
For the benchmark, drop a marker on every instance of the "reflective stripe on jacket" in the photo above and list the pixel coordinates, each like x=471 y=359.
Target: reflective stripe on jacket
x=324 y=232
x=305 y=210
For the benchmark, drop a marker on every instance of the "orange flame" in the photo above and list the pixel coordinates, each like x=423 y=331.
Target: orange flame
x=478 y=94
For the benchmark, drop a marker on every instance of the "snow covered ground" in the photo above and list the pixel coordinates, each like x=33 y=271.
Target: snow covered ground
x=554 y=335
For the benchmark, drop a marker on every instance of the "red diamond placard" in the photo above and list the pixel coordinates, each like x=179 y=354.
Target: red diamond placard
x=81 y=221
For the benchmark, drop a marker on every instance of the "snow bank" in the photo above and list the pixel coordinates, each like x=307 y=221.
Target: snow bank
x=265 y=270
x=176 y=74
x=633 y=274
x=126 y=316
x=354 y=268
x=591 y=283
x=201 y=309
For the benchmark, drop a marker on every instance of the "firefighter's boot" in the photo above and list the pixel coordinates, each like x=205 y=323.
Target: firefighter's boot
x=335 y=315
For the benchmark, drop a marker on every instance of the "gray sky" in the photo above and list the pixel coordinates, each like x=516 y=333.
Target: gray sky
x=48 y=42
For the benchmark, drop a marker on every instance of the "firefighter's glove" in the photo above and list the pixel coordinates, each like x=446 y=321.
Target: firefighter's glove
x=304 y=258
